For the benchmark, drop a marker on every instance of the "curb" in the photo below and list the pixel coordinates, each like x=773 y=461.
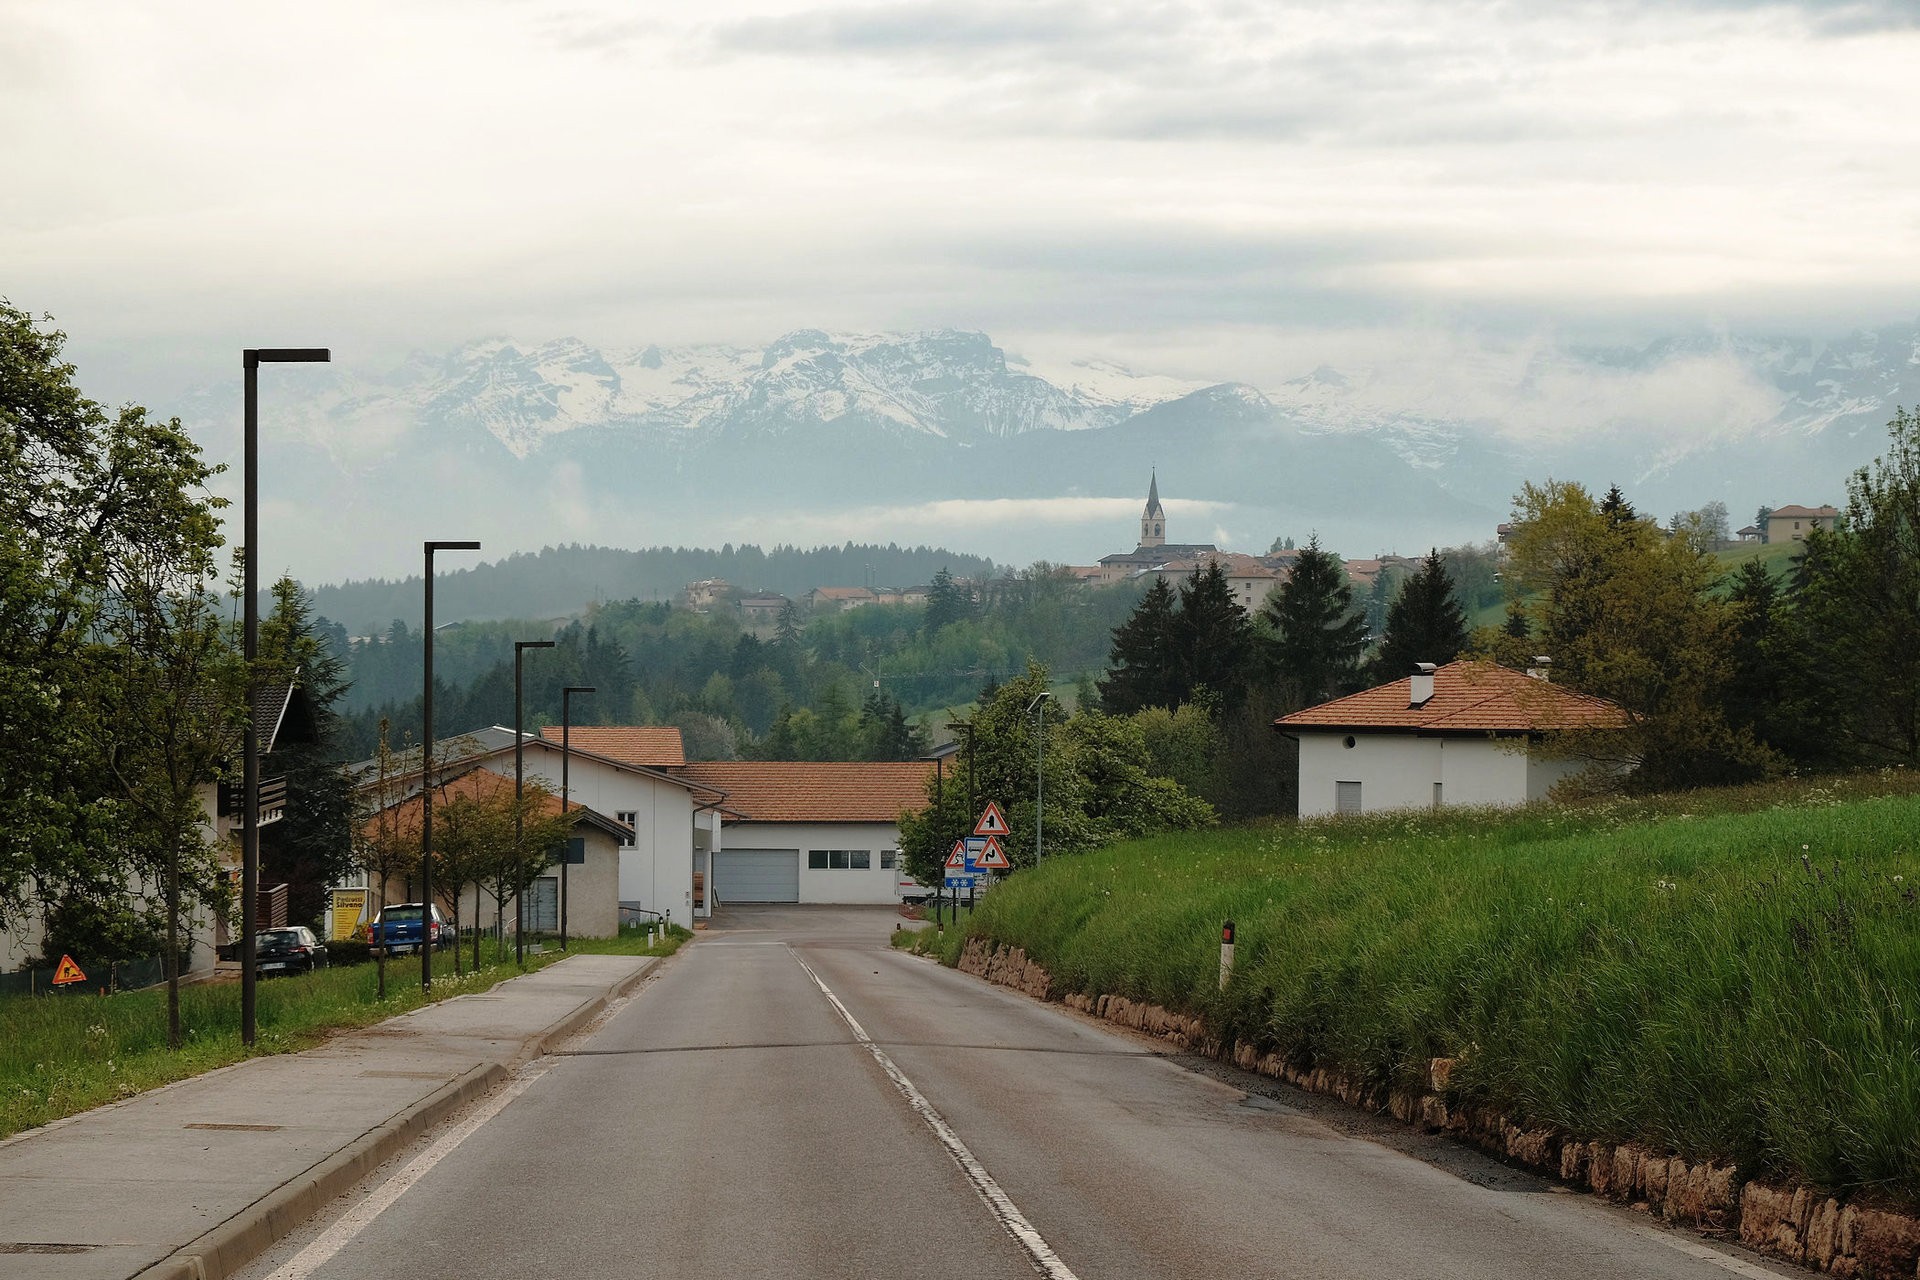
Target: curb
x=231 y=1245
x=224 y=1249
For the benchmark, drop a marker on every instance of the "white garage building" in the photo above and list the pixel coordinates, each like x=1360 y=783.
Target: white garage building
x=1462 y=734
x=810 y=831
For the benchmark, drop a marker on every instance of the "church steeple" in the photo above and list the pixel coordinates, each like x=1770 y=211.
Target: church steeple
x=1153 y=521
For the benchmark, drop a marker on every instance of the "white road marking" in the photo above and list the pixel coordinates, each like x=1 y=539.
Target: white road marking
x=341 y=1233
x=1707 y=1253
x=1044 y=1259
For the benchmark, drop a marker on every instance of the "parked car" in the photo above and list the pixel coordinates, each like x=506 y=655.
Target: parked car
x=397 y=930
x=292 y=950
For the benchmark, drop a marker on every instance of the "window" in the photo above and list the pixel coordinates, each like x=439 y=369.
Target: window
x=1346 y=797
x=631 y=819
x=862 y=859
x=839 y=859
x=576 y=851
x=888 y=858
x=816 y=859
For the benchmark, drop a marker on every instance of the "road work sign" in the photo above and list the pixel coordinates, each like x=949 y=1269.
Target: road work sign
x=67 y=972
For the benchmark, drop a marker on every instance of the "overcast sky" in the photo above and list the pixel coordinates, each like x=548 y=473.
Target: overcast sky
x=1211 y=188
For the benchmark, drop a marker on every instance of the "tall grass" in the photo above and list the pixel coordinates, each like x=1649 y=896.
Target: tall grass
x=64 y=1054
x=1728 y=976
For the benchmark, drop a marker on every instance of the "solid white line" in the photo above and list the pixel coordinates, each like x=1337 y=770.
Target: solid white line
x=1707 y=1253
x=1044 y=1259
x=341 y=1233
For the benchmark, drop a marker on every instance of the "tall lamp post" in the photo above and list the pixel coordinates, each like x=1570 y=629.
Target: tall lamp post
x=426 y=775
x=566 y=751
x=1037 y=706
x=520 y=648
x=251 y=358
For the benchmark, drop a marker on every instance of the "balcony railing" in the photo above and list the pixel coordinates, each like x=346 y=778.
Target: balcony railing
x=273 y=799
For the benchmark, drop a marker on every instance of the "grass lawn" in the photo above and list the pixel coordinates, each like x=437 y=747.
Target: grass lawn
x=1729 y=975
x=60 y=1055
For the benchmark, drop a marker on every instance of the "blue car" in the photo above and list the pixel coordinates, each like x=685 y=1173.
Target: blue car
x=397 y=930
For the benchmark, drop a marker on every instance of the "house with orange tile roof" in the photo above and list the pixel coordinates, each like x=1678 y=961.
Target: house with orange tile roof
x=592 y=855
x=811 y=831
x=1462 y=734
x=1794 y=523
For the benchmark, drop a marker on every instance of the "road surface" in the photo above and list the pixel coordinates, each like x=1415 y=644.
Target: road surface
x=792 y=1098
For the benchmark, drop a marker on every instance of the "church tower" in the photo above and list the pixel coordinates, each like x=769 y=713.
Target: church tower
x=1153 y=521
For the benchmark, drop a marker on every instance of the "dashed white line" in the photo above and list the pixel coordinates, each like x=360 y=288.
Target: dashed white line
x=1038 y=1251
x=336 y=1237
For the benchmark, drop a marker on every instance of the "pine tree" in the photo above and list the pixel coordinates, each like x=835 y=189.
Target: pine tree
x=1424 y=624
x=1142 y=666
x=1318 y=635
x=1215 y=637
x=948 y=602
x=312 y=846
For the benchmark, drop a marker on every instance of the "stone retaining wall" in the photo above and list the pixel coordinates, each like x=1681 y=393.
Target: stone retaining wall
x=1795 y=1224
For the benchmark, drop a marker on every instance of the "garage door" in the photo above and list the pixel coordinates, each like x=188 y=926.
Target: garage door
x=756 y=875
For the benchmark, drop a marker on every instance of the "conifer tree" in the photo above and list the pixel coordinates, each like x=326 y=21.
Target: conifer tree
x=1142 y=668
x=1318 y=636
x=1424 y=624
x=1214 y=637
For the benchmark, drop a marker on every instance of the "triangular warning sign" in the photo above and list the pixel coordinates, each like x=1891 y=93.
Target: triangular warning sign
x=957 y=860
x=992 y=821
x=67 y=972
x=993 y=857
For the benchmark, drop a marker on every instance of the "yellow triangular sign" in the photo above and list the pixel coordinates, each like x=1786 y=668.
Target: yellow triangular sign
x=993 y=857
x=67 y=972
x=957 y=860
x=992 y=821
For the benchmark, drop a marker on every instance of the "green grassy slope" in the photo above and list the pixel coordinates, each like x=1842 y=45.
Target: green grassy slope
x=1727 y=976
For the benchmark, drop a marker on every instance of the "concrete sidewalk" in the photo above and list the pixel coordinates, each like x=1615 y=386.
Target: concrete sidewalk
x=190 y=1181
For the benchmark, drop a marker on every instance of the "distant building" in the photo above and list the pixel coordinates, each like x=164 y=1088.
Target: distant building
x=1153 y=549
x=761 y=608
x=1249 y=578
x=1752 y=533
x=703 y=595
x=1793 y=524
x=838 y=599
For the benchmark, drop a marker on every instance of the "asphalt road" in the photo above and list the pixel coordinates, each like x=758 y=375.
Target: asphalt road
x=729 y=1122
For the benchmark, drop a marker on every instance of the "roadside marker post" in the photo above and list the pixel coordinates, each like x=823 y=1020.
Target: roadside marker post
x=1226 y=953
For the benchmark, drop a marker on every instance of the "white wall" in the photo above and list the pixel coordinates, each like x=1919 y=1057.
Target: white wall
x=875 y=884
x=657 y=871
x=1398 y=771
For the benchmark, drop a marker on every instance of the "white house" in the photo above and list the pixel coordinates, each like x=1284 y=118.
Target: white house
x=811 y=831
x=1461 y=734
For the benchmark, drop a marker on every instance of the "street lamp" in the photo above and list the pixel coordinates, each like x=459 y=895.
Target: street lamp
x=1039 y=770
x=251 y=358
x=426 y=776
x=566 y=748
x=519 y=780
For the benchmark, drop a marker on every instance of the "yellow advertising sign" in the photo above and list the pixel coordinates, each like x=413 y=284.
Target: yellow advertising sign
x=348 y=906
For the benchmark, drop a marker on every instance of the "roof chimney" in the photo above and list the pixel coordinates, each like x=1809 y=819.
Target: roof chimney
x=1422 y=691
x=1542 y=668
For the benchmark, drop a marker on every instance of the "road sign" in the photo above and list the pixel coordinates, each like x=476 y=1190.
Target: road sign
x=957 y=857
x=961 y=882
x=992 y=821
x=992 y=857
x=67 y=972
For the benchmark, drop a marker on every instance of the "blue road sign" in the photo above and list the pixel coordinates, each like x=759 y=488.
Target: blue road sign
x=961 y=882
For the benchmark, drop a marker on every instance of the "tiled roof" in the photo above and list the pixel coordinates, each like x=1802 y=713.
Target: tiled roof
x=843 y=593
x=650 y=747
x=1468 y=697
x=1805 y=513
x=484 y=784
x=814 y=791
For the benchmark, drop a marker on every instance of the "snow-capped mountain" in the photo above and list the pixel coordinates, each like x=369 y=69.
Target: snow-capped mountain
x=922 y=432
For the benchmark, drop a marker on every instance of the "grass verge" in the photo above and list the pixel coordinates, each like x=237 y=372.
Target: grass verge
x=60 y=1055
x=1730 y=975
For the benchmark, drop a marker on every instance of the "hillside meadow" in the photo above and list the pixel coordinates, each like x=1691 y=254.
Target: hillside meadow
x=1729 y=975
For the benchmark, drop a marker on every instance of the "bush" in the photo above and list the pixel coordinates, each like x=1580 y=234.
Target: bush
x=349 y=951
